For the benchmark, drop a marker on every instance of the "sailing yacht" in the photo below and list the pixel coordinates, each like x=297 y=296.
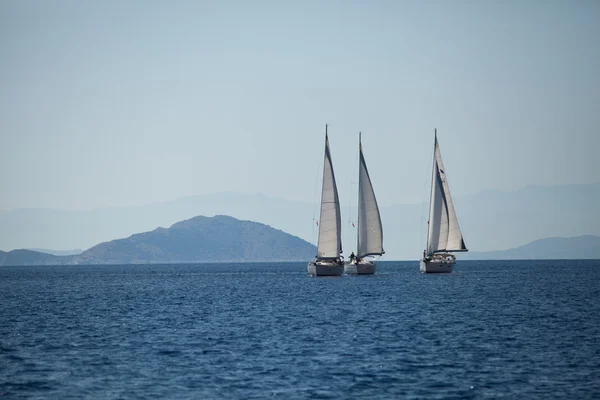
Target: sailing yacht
x=370 y=231
x=443 y=233
x=328 y=261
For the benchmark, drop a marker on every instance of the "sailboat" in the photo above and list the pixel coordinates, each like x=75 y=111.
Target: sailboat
x=370 y=231
x=443 y=233
x=328 y=261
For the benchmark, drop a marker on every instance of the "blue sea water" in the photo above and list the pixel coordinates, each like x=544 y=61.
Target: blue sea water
x=491 y=329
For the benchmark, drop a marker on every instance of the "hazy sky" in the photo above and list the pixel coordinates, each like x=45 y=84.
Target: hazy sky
x=106 y=103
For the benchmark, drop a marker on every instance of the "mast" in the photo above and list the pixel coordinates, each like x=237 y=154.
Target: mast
x=431 y=191
x=358 y=193
x=329 y=244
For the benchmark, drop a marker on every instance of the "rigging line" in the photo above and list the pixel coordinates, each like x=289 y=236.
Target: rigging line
x=357 y=163
x=349 y=203
x=428 y=172
x=319 y=168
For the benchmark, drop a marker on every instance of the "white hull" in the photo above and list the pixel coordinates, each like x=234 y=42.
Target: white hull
x=325 y=269
x=436 y=266
x=362 y=268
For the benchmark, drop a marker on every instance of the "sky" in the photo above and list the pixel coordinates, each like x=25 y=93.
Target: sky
x=112 y=103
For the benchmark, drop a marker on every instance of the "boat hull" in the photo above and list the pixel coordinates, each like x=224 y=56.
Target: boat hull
x=325 y=269
x=362 y=268
x=436 y=266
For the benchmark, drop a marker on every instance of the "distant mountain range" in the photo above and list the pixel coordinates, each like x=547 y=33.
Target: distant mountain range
x=489 y=220
x=199 y=239
x=58 y=252
x=226 y=239
x=580 y=247
x=68 y=229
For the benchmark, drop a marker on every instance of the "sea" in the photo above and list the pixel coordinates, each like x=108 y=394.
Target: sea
x=490 y=329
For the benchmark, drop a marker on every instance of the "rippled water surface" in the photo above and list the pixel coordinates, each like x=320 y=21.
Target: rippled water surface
x=513 y=329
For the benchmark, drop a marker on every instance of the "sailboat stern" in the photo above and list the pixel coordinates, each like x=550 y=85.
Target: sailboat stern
x=325 y=268
x=440 y=263
x=361 y=268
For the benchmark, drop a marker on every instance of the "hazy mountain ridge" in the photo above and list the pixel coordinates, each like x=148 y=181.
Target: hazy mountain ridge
x=489 y=220
x=199 y=239
x=55 y=229
x=58 y=252
x=580 y=247
x=29 y=257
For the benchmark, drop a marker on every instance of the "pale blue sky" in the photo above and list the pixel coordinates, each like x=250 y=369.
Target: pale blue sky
x=111 y=103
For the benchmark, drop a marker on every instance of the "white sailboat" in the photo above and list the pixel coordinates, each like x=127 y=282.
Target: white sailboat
x=328 y=261
x=370 y=231
x=443 y=234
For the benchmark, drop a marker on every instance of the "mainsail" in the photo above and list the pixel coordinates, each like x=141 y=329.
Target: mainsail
x=444 y=232
x=330 y=221
x=370 y=231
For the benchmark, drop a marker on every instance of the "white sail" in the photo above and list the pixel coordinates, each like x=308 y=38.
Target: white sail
x=330 y=222
x=370 y=231
x=444 y=232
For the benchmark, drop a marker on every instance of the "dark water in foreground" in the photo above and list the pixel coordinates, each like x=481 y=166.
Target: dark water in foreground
x=514 y=329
